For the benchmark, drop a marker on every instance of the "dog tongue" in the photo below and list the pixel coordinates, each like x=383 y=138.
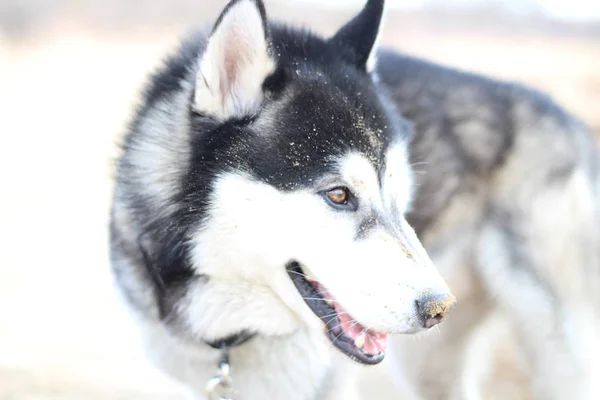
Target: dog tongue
x=374 y=342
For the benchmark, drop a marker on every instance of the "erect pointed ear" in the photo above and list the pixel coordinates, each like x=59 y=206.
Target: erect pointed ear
x=358 y=36
x=235 y=62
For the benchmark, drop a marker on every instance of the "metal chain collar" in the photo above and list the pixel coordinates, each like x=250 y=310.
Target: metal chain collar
x=221 y=386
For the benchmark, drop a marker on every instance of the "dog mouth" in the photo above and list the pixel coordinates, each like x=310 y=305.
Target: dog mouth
x=361 y=344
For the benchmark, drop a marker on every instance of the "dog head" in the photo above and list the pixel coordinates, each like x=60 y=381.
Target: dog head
x=296 y=190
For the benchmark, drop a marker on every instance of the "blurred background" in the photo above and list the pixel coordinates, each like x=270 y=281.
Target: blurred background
x=69 y=74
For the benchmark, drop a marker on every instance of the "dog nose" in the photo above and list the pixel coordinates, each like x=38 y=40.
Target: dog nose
x=432 y=309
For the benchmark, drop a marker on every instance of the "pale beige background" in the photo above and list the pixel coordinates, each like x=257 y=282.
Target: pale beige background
x=69 y=72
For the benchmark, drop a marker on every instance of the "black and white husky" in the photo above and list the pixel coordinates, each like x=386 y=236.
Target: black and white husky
x=265 y=204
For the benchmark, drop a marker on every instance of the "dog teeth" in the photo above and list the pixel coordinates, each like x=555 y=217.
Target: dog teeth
x=359 y=341
x=329 y=302
x=309 y=277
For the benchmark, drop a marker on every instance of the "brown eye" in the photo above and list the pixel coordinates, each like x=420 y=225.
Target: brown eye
x=341 y=198
x=338 y=196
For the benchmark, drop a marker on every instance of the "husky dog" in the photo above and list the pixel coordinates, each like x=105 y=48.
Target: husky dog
x=265 y=203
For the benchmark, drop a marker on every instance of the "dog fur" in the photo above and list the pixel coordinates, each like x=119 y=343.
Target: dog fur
x=220 y=184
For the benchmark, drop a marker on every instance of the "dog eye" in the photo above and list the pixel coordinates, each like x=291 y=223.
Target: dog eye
x=340 y=198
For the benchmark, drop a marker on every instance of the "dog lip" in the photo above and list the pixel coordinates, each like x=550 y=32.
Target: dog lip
x=316 y=302
x=346 y=345
x=311 y=296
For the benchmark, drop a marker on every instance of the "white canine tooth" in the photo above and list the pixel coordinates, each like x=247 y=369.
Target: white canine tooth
x=359 y=341
x=329 y=302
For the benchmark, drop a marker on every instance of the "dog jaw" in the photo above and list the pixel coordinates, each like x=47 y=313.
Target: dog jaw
x=255 y=230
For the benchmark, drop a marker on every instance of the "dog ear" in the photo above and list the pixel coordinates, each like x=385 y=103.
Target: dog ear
x=235 y=62
x=358 y=36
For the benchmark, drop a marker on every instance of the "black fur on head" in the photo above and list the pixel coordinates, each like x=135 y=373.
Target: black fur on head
x=319 y=104
x=358 y=36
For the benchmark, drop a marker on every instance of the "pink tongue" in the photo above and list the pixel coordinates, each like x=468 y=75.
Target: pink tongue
x=375 y=342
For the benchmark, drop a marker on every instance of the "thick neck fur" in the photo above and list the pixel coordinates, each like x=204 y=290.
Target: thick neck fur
x=262 y=368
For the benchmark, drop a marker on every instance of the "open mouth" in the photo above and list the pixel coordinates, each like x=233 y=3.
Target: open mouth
x=353 y=339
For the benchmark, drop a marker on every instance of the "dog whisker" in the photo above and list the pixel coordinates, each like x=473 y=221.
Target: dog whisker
x=319 y=299
x=341 y=333
x=298 y=273
x=331 y=315
x=332 y=318
x=354 y=323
